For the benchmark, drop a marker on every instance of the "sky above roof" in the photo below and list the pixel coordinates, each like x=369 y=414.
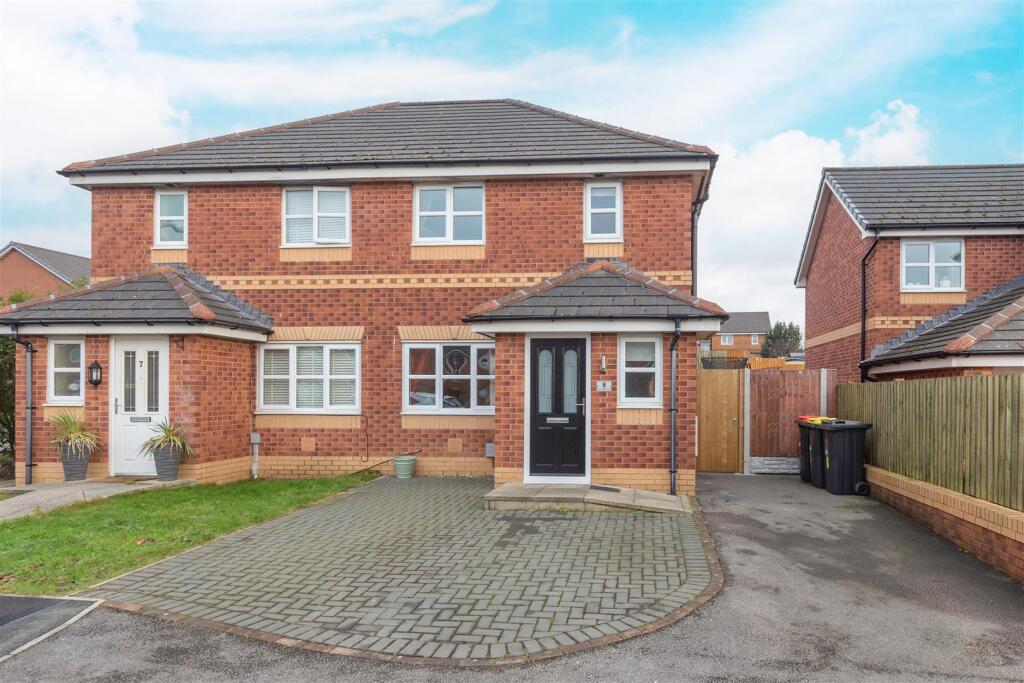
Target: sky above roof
x=778 y=89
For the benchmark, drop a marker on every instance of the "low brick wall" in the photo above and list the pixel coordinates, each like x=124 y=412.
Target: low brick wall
x=305 y=466
x=990 y=532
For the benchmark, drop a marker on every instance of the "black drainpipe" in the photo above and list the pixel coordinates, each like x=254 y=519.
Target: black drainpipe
x=29 y=350
x=864 y=308
x=672 y=412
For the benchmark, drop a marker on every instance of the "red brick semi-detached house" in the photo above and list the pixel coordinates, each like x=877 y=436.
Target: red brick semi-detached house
x=888 y=249
x=495 y=283
x=35 y=271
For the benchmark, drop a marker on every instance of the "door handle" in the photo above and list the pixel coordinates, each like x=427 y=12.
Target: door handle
x=582 y=407
x=115 y=405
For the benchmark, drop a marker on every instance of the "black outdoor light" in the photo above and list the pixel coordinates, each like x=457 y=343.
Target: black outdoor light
x=95 y=373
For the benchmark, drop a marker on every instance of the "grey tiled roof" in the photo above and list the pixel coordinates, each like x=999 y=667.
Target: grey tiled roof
x=169 y=294
x=67 y=267
x=409 y=133
x=977 y=327
x=747 y=321
x=599 y=290
x=931 y=196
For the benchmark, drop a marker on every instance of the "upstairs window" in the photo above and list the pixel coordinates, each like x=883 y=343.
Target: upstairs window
x=449 y=378
x=309 y=378
x=449 y=214
x=932 y=265
x=726 y=340
x=171 y=219
x=603 y=212
x=66 y=372
x=316 y=215
x=640 y=371
x=754 y=339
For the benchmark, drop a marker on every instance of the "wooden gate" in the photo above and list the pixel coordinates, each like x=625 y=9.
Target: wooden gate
x=720 y=420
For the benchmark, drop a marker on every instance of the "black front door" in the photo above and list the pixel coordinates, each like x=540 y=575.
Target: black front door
x=558 y=395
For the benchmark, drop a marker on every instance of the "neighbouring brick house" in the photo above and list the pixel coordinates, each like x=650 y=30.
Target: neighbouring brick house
x=37 y=271
x=920 y=241
x=742 y=335
x=347 y=287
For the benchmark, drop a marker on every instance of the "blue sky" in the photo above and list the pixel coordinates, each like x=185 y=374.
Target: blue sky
x=778 y=89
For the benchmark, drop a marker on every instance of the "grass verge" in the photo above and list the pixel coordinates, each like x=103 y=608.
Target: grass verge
x=71 y=548
x=5 y=496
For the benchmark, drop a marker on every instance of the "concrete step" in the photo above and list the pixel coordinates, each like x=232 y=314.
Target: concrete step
x=582 y=497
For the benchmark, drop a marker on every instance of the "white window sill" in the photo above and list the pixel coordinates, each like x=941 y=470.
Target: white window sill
x=64 y=403
x=600 y=240
x=316 y=245
x=448 y=244
x=640 y=406
x=409 y=411
x=272 y=411
x=183 y=245
x=932 y=290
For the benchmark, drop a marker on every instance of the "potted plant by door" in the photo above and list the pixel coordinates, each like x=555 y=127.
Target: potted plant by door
x=75 y=444
x=166 y=446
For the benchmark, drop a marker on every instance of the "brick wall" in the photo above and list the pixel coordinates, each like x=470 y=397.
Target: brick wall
x=20 y=273
x=990 y=532
x=832 y=297
x=633 y=455
x=741 y=344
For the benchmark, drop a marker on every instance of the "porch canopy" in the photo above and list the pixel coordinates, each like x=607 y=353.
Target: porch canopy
x=170 y=299
x=597 y=296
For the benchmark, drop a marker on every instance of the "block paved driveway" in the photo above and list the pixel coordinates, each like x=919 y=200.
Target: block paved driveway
x=417 y=568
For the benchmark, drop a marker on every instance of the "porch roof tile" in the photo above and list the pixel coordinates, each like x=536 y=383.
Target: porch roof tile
x=599 y=289
x=167 y=294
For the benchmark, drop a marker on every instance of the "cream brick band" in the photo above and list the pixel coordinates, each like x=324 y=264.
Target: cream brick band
x=933 y=297
x=352 y=333
x=163 y=256
x=308 y=421
x=639 y=416
x=439 y=333
x=50 y=412
x=880 y=322
x=611 y=250
x=447 y=422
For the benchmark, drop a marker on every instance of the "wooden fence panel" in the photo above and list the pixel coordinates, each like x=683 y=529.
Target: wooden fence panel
x=962 y=433
x=777 y=397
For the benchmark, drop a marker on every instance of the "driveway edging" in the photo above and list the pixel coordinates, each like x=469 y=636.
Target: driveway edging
x=714 y=587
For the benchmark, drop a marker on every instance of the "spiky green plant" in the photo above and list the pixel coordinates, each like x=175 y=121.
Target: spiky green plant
x=165 y=434
x=80 y=442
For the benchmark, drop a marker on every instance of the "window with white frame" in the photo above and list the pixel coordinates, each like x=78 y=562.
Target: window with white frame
x=309 y=378
x=726 y=340
x=316 y=215
x=448 y=214
x=754 y=339
x=65 y=372
x=602 y=212
x=927 y=265
x=640 y=371
x=171 y=218
x=448 y=377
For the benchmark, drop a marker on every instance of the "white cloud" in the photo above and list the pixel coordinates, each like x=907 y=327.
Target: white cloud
x=894 y=137
x=272 y=22
x=753 y=226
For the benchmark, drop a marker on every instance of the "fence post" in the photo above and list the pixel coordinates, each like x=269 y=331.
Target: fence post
x=746 y=420
x=823 y=391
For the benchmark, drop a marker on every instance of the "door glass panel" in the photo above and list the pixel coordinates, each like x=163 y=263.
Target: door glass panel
x=153 y=381
x=129 y=381
x=569 y=383
x=545 y=381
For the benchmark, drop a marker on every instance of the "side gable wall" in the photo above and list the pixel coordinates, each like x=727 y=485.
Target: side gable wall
x=18 y=272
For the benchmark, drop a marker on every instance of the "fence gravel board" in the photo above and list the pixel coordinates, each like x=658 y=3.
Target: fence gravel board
x=961 y=433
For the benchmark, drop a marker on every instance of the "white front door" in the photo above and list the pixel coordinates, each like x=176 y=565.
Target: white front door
x=138 y=387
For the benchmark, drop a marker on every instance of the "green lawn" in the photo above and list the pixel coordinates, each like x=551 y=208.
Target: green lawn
x=4 y=495
x=71 y=548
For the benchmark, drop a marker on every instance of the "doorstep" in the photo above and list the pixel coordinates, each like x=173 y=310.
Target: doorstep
x=582 y=497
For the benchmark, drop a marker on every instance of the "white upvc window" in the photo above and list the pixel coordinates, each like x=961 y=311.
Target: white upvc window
x=726 y=340
x=448 y=214
x=65 y=371
x=309 y=378
x=932 y=265
x=754 y=339
x=639 y=371
x=170 y=219
x=448 y=377
x=316 y=216
x=602 y=212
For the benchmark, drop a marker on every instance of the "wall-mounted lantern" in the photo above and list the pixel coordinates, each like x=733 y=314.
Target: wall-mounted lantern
x=95 y=373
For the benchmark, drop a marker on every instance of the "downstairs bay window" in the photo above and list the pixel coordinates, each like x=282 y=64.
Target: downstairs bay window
x=456 y=377
x=309 y=378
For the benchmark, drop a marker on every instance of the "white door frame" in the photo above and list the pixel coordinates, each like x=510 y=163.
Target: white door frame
x=528 y=410
x=114 y=382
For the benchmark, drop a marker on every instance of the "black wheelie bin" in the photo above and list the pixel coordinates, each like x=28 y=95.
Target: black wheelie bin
x=843 y=450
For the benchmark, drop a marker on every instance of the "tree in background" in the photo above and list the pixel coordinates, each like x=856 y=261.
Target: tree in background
x=7 y=351
x=782 y=340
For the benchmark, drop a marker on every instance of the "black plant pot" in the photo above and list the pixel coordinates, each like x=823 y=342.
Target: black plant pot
x=167 y=459
x=75 y=463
